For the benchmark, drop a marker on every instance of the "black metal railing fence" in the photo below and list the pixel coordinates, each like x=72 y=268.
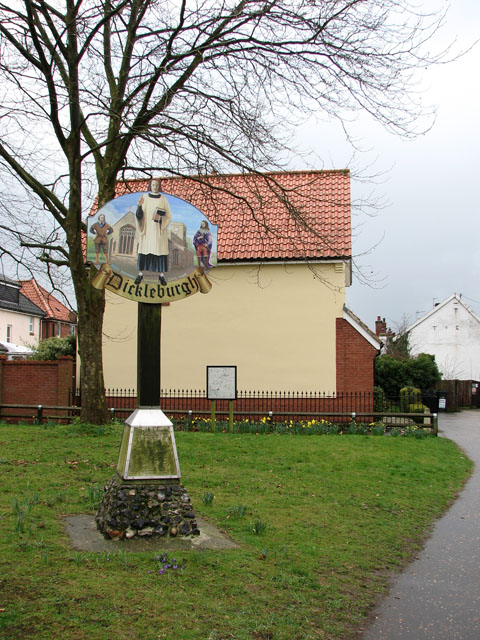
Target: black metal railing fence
x=278 y=405
x=365 y=407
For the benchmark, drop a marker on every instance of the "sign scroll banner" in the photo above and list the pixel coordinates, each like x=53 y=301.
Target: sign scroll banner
x=151 y=292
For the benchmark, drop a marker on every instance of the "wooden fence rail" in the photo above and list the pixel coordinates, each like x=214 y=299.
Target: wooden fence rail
x=39 y=414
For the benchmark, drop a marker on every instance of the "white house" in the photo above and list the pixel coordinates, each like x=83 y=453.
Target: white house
x=20 y=320
x=450 y=332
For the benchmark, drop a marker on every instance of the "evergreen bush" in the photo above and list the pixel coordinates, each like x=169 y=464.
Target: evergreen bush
x=409 y=395
x=52 y=348
x=379 y=401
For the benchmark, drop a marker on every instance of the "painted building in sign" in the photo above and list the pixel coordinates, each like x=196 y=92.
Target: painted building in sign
x=276 y=308
x=124 y=245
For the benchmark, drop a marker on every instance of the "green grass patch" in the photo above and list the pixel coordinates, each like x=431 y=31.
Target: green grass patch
x=321 y=523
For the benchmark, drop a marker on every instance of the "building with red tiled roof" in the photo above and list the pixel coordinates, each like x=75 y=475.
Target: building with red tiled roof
x=58 y=320
x=276 y=308
x=20 y=320
x=298 y=215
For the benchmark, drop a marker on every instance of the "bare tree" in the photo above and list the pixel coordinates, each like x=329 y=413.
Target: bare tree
x=398 y=343
x=97 y=90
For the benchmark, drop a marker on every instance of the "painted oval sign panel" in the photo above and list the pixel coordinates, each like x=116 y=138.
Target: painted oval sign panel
x=151 y=247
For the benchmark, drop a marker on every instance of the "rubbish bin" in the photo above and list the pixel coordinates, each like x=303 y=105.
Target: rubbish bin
x=430 y=399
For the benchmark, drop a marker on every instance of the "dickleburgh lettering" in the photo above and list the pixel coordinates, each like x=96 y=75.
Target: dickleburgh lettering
x=115 y=281
x=154 y=292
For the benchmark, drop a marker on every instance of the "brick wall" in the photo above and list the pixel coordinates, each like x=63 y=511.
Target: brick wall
x=36 y=381
x=50 y=329
x=355 y=359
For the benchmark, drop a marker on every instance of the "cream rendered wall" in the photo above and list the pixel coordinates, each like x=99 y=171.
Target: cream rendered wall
x=20 y=328
x=276 y=323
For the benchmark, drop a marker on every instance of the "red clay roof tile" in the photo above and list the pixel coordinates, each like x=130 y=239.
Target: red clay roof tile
x=274 y=216
x=53 y=308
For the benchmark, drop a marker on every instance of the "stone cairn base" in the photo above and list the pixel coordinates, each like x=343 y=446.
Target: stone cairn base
x=129 y=509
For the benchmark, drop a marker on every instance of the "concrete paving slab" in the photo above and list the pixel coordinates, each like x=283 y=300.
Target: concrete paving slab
x=84 y=536
x=438 y=595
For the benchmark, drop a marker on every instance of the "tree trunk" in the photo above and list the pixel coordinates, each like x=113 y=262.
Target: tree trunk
x=90 y=310
x=90 y=307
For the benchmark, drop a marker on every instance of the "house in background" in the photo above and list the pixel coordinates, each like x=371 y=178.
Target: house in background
x=277 y=306
x=20 y=320
x=450 y=332
x=58 y=320
x=383 y=333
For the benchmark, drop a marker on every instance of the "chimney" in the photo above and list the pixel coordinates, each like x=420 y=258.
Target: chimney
x=380 y=326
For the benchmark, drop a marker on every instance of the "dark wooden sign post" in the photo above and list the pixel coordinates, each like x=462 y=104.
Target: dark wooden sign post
x=149 y=354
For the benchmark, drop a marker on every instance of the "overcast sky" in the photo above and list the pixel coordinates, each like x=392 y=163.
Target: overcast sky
x=428 y=233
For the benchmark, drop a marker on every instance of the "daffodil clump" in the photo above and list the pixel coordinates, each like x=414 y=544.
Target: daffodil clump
x=267 y=425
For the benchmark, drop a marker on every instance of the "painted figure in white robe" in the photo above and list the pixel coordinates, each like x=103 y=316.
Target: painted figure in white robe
x=153 y=217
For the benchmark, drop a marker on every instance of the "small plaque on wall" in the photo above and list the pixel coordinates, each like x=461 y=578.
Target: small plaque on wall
x=222 y=383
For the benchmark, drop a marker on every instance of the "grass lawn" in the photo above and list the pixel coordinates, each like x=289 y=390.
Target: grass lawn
x=322 y=521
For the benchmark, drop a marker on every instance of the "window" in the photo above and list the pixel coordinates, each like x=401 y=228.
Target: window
x=9 y=333
x=127 y=238
x=59 y=329
x=31 y=326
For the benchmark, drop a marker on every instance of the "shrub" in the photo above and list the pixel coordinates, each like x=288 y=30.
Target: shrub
x=417 y=407
x=409 y=395
x=51 y=348
x=379 y=402
x=391 y=374
x=423 y=371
